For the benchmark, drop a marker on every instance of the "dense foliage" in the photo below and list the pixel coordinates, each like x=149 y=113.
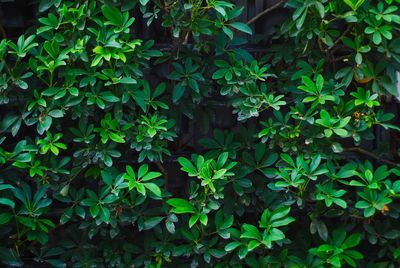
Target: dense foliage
x=224 y=148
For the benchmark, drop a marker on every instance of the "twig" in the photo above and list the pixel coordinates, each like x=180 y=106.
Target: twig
x=259 y=15
x=340 y=38
x=365 y=152
x=185 y=42
x=344 y=57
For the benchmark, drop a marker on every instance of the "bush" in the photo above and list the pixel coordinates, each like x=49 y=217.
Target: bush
x=224 y=148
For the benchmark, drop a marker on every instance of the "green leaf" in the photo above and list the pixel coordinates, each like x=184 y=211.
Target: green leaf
x=127 y=80
x=178 y=92
x=354 y=4
x=143 y=170
x=309 y=85
x=243 y=27
x=340 y=202
x=377 y=38
x=153 y=188
x=6 y=186
x=151 y=175
x=253 y=244
x=352 y=241
x=181 y=206
x=187 y=166
x=115 y=137
x=112 y=14
x=130 y=172
x=204 y=219
x=222 y=159
x=276 y=234
x=144 y=2
x=282 y=222
x=193 y=219
x=105 y=214
x=279 y=213
x=56 y=113
x=152 y=132
x=159 y=89
x=227 y=31
x=7 y=202
x=251 y=232
x=150 y=223
x=340 y=132
x=140 y=188
x=233 y=245
x=5 y=218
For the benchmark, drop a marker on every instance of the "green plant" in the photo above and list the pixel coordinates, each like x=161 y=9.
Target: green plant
x=338 y=250
x=184 y=133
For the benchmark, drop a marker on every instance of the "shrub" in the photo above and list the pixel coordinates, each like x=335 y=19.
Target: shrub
x=224 y=148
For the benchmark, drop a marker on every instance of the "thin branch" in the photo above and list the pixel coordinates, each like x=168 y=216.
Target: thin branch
x=259 y=15
x=365 y=152
x=185 y=42
x=341 y=58
x=340 y=38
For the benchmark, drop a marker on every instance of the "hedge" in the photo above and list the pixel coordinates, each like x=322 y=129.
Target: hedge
x=216 y=143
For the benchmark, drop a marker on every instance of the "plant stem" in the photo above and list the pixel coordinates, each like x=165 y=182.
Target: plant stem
x=262 y=13
x=372 y=155
x=51 y=79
